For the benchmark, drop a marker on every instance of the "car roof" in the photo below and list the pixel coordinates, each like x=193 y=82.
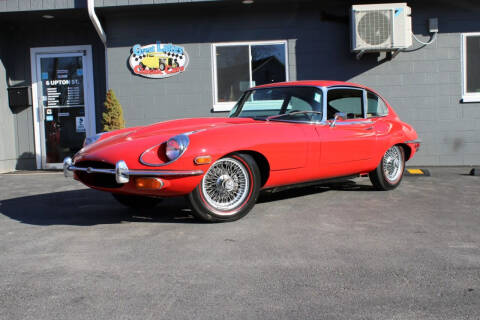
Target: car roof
x=315 y=83
x=321 y=83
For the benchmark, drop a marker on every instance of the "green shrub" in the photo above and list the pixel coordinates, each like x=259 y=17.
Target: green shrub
x=112 y=116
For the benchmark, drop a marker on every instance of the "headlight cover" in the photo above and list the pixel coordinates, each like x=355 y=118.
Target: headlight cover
x=176 y=146
x=92 y=139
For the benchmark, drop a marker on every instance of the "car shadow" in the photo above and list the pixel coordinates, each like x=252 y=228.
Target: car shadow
x=87 y=207
x=294 y=192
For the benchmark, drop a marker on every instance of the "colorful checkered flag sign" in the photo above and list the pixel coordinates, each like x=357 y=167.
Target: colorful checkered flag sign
x=158 y=60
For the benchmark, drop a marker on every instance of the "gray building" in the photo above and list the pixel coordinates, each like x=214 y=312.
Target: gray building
x=55 y=69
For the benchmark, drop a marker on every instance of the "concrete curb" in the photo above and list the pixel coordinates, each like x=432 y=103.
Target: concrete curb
x=415 y=172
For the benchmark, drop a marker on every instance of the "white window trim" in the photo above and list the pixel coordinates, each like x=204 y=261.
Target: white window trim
x=89 y=87
x=227 y=106
x=467 y=97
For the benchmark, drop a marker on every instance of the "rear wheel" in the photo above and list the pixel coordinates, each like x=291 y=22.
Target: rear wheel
x=389 y=173
x=136 y=202
x=228 y=190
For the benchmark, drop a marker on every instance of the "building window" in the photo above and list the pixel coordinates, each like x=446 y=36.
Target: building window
x=471 y=67
x=242 y=65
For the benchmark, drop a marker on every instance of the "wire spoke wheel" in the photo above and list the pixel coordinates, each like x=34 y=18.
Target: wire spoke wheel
x=392 y=164
x=389 y=172
x=228 y=190
x=226 y=185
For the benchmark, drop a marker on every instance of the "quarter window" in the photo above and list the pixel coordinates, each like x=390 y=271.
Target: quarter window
x=471 y=67
x=239 y=66
x=348 y=101
x=376 y=106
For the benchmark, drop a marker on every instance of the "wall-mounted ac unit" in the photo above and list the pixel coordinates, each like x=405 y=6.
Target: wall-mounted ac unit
x=381 y=27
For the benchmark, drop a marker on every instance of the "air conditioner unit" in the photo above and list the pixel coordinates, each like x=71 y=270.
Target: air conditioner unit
x=381 y=27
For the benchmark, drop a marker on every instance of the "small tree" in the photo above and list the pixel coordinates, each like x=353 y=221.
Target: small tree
x=112 y=117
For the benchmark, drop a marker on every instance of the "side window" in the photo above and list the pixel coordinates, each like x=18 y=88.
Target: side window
x=348 y=101
x=376 y=106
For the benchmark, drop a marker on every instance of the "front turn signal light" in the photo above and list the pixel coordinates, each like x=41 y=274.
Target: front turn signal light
x=149 y=183
x=203 y=160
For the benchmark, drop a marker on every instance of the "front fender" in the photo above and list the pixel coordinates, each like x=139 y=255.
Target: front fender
x=283 y=145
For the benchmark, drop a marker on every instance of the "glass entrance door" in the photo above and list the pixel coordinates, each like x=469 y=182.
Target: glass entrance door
x=62 y=97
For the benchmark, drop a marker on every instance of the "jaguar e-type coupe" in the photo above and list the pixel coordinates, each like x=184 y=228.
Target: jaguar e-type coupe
x=276 y=135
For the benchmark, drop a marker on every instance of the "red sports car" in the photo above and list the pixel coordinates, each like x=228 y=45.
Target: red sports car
x=276 y=135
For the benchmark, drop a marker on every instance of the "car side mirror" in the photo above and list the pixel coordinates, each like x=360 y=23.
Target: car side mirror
x=338 y=115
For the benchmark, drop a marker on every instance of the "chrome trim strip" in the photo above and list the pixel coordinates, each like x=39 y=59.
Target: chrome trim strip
x=152 y=164
x=165 y=173
x=139 y=172
x=293 y=113
x=344 y=86
x=413 y=141
x=91 y=170
x=67 y=162
x=353 y=122
x=324 y=103
x=121 y=172
x=303 y=122
x=364 y=103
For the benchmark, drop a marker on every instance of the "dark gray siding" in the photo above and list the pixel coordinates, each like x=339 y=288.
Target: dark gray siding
x=424 y=86
x=109 y=3
x=18 y=73
x=35 y=5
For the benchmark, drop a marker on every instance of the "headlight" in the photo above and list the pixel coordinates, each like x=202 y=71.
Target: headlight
x=92 y=139
x=176 y=146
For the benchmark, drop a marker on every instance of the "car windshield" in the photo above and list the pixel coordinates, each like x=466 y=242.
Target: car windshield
x=297 y=103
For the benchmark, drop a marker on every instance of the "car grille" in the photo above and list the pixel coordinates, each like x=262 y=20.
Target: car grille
x=95 y=179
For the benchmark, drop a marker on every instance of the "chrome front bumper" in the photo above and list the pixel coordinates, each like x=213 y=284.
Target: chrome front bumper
x=122 y=173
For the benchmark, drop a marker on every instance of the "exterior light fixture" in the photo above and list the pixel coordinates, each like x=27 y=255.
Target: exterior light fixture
x=48 y=16
x=247 y=1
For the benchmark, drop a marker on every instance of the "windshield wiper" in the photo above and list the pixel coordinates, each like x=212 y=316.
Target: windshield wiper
x=292 y=113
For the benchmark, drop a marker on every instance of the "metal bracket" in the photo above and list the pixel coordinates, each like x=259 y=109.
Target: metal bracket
x=360 y=54
x=394 y=54
x=41 y=111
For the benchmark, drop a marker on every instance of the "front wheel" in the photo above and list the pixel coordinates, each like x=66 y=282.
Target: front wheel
x=389 y=173
x=228 y=190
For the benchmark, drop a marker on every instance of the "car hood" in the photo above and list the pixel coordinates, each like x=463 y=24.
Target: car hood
x=138 y=139
x=175 y=127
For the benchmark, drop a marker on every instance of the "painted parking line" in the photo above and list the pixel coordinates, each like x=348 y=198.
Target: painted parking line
x=417 y=172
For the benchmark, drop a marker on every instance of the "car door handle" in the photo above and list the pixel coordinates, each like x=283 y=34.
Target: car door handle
x=369 y=128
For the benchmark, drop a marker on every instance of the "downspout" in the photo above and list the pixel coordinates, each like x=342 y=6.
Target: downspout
x=101 y=33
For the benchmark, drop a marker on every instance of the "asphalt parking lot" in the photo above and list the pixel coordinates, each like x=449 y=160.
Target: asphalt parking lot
x=325 y=252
